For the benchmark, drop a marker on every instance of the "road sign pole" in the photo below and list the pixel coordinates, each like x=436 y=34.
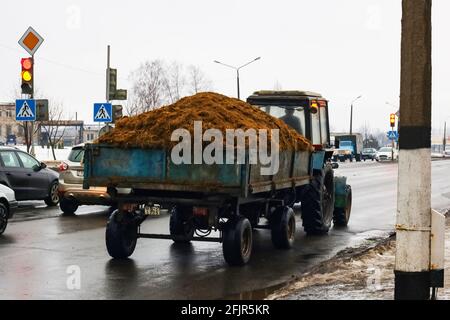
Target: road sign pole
x=33 y=153
x=108 y=70
x=393 y=146
x=31 y=41
x=108 y=66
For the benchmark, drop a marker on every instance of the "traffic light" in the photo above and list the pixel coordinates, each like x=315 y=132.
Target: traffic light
x=114 y=93
x=112 y=81
x=27 y=75
x=392 y=120
x=117 y=113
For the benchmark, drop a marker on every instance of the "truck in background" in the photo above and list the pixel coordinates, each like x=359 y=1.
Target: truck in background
x=348 y=147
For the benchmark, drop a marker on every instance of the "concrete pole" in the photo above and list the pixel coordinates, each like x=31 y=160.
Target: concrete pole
x=445 y=137
x=412 y=267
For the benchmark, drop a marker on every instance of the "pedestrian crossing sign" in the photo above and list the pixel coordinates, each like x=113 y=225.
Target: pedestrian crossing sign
x=103 y=112
x=26 y=110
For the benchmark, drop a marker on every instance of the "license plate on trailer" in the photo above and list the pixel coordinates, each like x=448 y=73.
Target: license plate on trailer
x=153 y=211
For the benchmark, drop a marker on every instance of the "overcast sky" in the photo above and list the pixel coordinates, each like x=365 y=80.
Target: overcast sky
x=340 y=48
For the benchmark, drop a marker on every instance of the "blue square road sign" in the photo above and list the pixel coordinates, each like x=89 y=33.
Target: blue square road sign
x=26 y=110
x=103 y=112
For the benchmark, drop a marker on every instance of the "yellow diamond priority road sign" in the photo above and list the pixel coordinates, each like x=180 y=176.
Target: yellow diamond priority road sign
x=31 y=41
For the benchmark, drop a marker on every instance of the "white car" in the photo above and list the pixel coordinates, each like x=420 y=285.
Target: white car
x=8 y=204
x=385 y=154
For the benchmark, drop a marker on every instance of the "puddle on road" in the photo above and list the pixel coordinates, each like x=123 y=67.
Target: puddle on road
x=260 y=294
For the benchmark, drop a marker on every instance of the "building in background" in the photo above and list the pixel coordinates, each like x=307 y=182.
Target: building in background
x=437 y=145
x=72 y=132
x=90 y=132
x=9 y=127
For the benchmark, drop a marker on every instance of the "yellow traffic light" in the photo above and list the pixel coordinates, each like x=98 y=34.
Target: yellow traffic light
x=26 y=76
x=392 y=120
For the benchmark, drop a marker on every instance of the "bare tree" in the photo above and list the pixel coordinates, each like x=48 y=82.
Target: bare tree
x=148 y=86
x=30 y=128
x=365 y=130
x=197 y=80
x=175 y=82
x=277 y=86
x=54 y=127
x=156 y=83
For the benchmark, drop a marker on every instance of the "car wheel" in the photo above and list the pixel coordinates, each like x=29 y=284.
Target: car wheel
x=3 y=218
x=68 y=206
x=53 y=198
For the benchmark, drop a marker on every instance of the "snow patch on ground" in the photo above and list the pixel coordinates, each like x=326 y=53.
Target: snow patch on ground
x=356 y=274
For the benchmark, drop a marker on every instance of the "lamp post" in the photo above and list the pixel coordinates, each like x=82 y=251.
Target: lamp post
x=237 y=72
x=351 y=115
x=444 y=141
x=445 y=137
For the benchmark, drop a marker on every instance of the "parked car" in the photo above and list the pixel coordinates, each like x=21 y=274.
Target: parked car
x=385 y=154
x=369 y=154
x=8 y=204
x=11 y=140
x=71 y=190
x=29 y=178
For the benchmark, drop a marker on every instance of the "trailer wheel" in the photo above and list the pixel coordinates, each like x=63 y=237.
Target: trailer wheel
x=283 y=228
x=318 y=203
x=121 y=236
x=181 y=228
x=237 y=241
x=341 y=216
x=68 y=206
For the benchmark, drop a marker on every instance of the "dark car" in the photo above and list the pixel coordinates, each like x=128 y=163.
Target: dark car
x=29 y=178
x=11 y=140
x=369 y=154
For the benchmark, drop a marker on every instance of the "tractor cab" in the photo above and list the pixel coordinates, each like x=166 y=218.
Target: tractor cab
x=306 y=112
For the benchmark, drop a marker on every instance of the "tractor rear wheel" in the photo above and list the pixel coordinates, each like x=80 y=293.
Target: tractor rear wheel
x=318 y=202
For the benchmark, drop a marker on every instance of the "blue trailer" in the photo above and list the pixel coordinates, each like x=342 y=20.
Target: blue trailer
x=232 y=199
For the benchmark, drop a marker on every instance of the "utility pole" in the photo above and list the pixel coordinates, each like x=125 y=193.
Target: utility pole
x=445 y=138
x=351 y=114
x=351 y=119
x=108 y=66
x=108 y=70
x=238 y=85
x=412 y=266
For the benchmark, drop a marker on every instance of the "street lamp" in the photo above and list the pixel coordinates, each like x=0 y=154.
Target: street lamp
x=397 y=113
x=351 y=115
x=237 y=72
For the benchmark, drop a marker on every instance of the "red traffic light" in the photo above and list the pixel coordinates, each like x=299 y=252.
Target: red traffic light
x=27 y=63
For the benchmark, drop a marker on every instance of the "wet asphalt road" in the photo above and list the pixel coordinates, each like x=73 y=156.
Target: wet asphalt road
x=40 y=244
